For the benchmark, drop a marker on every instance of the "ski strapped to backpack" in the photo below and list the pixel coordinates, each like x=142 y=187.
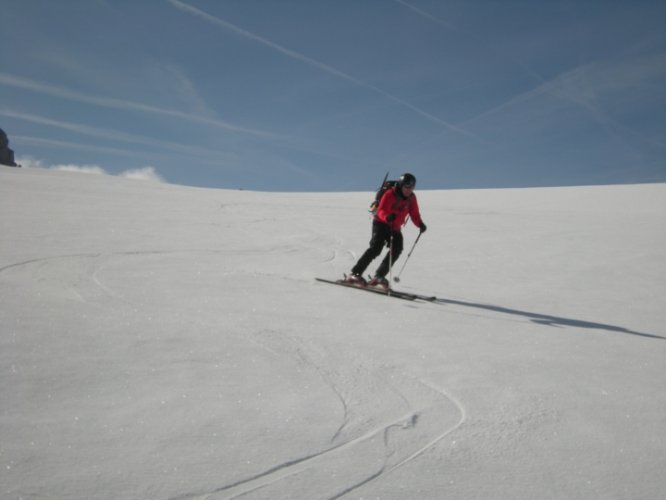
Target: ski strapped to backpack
x=385 y=186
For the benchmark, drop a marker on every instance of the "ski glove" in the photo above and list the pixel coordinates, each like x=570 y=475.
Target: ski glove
x=390 y=217
x=422 y=228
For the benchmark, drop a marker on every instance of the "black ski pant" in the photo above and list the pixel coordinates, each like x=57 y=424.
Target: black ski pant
x=381 y=236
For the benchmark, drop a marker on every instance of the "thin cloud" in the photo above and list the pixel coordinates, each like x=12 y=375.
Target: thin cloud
x=183 y=87
x=115 y=135
x=314 y=63
x=107 y=102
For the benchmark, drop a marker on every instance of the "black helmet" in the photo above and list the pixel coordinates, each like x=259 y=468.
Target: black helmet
x=407 y=180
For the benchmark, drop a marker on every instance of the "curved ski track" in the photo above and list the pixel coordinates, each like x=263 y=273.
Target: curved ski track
x=389 y=418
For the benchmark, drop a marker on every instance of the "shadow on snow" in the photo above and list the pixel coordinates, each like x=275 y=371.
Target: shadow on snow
x=546 y=319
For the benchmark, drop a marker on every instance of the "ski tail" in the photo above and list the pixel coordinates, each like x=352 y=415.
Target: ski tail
x=378 y=193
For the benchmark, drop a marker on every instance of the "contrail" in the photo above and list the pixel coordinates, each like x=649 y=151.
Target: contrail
x=39 y=141
x=114 y=135
x=315 y=64
x=472 y=36
x=107 y=102
x=426 y=14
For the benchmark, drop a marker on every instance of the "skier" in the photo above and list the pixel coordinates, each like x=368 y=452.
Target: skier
x=394 y=207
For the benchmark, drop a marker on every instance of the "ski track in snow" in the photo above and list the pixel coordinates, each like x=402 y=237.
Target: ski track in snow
x=388 y=419
x=98 y=261
x=373 y=442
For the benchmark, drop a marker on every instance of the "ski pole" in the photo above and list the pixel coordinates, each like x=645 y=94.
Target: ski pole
x=390 y=261
x=397 y=278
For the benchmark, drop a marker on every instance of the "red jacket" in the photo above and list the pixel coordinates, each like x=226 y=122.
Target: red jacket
x=393 y=203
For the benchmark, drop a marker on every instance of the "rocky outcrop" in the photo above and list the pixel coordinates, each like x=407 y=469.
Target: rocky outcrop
x=6 y=154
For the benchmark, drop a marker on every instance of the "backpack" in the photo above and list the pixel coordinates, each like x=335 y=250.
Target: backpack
x=380 y=192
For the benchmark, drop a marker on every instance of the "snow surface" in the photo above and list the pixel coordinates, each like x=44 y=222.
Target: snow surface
x=167 y=342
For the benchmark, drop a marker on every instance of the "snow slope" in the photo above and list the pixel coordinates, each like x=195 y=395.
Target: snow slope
x=167 y=342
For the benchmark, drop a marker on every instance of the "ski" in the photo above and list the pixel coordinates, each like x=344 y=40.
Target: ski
x=375 y=203
x=426 y=298
x=380 y=291
x=388 y=292
x=384 y=181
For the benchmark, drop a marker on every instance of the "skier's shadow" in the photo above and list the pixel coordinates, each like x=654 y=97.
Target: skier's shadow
x=546 y=319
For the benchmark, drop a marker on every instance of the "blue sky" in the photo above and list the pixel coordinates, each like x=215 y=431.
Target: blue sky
x=327 y=95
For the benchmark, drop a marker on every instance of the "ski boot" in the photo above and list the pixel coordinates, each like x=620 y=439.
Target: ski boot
x=356 y=280
x=379 y=282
